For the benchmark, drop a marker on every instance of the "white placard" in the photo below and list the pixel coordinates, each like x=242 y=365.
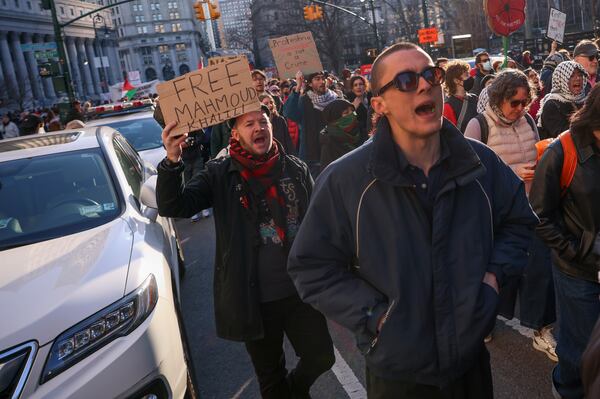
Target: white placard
x=556 y=25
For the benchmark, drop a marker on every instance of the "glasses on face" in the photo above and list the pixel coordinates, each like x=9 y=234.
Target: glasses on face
x=592 y=58
x=408 y=81
x=523 y=103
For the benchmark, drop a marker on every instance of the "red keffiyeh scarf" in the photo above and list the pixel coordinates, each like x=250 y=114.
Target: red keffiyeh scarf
x=262 y=176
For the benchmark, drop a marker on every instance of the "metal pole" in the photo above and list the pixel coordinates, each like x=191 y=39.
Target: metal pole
x=425 y=16
x=375 y=30
x=62 y=54
x=99 y=49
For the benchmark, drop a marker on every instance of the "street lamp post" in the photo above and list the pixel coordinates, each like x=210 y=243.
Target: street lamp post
x=100 y=19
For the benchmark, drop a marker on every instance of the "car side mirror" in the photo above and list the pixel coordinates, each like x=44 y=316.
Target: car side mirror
x=148 y=198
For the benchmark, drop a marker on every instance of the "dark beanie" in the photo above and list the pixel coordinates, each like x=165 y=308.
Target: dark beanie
x=333 y=111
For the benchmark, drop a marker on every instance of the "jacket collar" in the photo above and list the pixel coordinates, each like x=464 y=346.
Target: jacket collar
x=584 y=144
x=462 y=165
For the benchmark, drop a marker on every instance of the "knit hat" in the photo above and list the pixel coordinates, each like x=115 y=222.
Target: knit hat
x=333 y=111
x=553 y=60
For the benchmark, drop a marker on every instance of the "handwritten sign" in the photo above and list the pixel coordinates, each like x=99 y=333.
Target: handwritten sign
x=208 y=96
x=556 y=25
x=219 y=60
x=295 y=53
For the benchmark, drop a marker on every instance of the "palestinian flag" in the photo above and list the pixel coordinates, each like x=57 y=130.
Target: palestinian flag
x=128 y=90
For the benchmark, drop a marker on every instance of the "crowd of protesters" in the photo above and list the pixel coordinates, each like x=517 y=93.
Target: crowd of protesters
x=414 y=237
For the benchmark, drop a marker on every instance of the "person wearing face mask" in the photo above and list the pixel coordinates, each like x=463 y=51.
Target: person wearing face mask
x=342 y=132
x=512 y=134
x=460 y=105
x=566 y=97
x=483 y=63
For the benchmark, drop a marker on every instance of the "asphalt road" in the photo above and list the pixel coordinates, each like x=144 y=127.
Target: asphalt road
x=224 y=371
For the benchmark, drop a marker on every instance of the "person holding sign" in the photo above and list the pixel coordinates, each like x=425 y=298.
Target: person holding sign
x=259 y=196
x=408 y=237
x=306 y=108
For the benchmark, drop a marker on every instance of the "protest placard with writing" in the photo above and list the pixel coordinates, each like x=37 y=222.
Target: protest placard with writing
x=556 y=25
x=208 y=96
x=219 y=60
x=295 y=53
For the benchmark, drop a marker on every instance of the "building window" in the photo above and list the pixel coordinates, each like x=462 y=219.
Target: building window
x=117 y=9
x=139 y=30
x=29 y=5
x=163 y=48
x=159 y=28
x=180 y=47
x=80 y=12
x=17 y=3
x=72 y=12
x=173 y=15
x=134 y=7
x=145 y=29
x=176 y=27
x=121 y=34
x=172 y=5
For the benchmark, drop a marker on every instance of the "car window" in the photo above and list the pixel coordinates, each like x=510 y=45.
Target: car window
x=143 y=134
x=52 y=196
x=131 y=166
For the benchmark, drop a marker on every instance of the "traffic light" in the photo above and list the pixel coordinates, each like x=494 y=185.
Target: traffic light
x=213 y=9
x=308 y=13
x=199 y=7
x=317 y=12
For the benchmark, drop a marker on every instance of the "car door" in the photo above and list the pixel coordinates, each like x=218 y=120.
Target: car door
x=134 y=171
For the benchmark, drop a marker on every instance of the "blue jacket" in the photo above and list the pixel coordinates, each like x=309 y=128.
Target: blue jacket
x=366 y=250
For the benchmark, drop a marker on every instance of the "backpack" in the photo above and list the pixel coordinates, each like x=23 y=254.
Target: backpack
x=569 y=158
x=485 y=128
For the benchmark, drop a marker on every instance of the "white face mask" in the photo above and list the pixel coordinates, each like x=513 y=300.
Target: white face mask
x=487 y=66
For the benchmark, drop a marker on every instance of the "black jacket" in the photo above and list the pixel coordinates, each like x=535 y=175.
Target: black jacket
x=301 y=110
x=555 y=118
x=282 y=134
x=219 y=185
x=569 y=224
x=363 y=113
x=477 y=86
x=367 y=249
x=333 y=148
x=470 y=113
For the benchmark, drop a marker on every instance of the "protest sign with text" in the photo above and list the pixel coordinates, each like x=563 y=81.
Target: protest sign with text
x=208 y=96
x=295 y=53
x=556 y=25
x=219 y=60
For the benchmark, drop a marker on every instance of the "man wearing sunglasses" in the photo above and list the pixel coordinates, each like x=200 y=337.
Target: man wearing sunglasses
x=586 y=54
x=407 y=238
x=483 y=63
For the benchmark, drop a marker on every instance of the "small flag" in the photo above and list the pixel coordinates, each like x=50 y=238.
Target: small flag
x=128 y=90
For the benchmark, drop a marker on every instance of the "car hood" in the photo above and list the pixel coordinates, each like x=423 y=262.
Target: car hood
x=153 y=156
x=49 y=286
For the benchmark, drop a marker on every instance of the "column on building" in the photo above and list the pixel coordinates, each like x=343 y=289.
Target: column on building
x=8 y=69
x=21 y=67
x=157 y=64
x=88 y=83
x=76 y=75
x=195 y=59
x=46 y=82
x=113 y=58
x=91 y=56
x=174 y=59
x=32 y=69
x=109 y=69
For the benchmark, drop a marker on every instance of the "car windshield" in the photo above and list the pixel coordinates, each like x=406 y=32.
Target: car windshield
x=142 y=134
x=51 y=196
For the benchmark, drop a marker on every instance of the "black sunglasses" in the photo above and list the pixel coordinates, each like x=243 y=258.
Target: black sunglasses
x=592 y=57
x=408 y=81
x=516 y=103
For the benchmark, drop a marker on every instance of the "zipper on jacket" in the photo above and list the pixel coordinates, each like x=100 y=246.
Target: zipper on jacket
x=384 y=320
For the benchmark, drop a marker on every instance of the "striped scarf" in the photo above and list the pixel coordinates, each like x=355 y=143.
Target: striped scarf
x=262 y=176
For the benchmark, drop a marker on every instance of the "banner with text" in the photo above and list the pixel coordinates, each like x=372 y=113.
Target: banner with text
x=556 y=25
x=295 y=53
x=208 y=96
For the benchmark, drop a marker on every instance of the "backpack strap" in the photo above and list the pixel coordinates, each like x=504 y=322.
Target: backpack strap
x=484 y=127
x=569 y=161
x=530 y=121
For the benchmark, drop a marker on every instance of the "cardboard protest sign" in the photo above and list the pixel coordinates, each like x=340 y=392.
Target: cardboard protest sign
x=219 y=60
x=208 y=96
x=556 y=25
x=295 y=53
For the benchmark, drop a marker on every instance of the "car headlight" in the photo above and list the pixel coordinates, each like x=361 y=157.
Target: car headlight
x=114 y=321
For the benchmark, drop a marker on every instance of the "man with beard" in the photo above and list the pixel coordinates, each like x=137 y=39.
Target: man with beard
x=307 y=110
x=259 y=196
x=407 y=239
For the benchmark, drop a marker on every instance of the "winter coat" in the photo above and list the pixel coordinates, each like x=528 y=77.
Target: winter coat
x=367 y=251
x=219 y=138
x=569 y=224
x=555 y=117
x=220 y=185
x=301 y=110
x=282 y=134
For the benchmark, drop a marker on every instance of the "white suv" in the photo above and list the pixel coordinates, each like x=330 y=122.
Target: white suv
x=88 y=272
